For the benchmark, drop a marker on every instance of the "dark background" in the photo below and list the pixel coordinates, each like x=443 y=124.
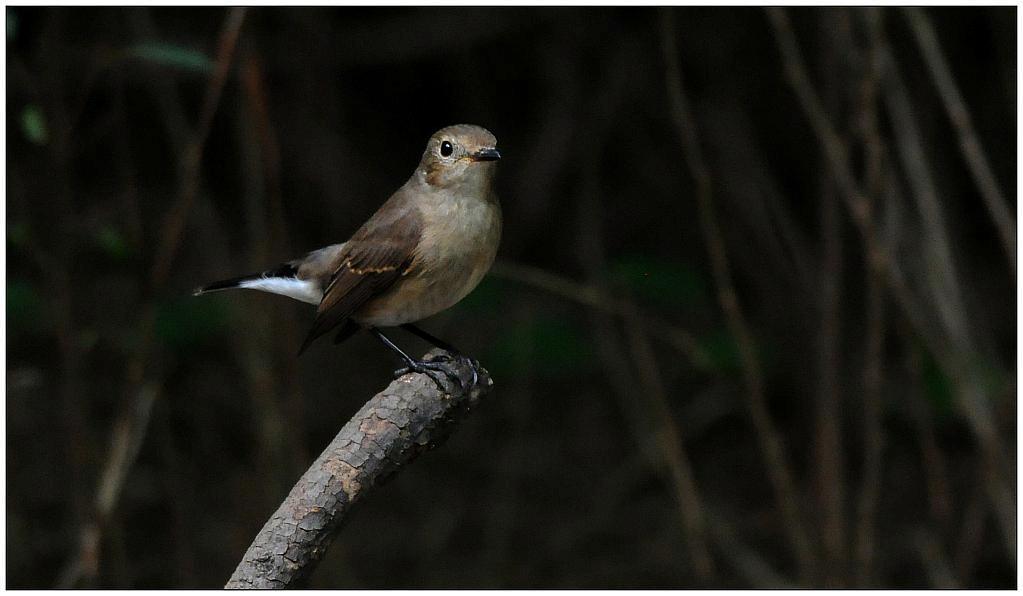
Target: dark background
x=850 y=423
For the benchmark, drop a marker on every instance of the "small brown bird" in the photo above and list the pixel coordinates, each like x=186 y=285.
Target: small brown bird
x=426 y=248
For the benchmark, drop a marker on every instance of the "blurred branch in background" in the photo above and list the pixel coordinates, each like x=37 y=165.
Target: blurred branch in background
x=969 y=143
x=776 y=462
x=55 y=260
x=191 y=155
x=934 y=463
x=829 y=455
x=939 y=265
x=961 y=354
x=647 y=408
x=746 y=561
x=869 y=137
x=125 y=441
x=949 y=341
x=935 y=563
x=667 y=437
x=267 y=353
x=131 y=427
x=277 y=240
x=604 y=301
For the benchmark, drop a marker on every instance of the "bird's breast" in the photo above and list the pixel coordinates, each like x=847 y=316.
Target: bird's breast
x=458 y=244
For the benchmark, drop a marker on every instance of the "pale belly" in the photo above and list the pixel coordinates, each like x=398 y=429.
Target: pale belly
x=452 y=261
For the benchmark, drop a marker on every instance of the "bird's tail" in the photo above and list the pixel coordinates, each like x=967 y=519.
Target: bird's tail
x=286 y=271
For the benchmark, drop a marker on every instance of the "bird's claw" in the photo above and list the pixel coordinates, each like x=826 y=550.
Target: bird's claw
x=463 y=360
x=434 y=364
x=429 y=368
x=474 y=366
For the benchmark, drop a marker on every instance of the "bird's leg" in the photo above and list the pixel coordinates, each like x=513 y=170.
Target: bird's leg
x=412 y=365
x=429 y=338
x=472 y=364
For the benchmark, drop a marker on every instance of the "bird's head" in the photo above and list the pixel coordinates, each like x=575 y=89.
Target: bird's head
x=459 y=155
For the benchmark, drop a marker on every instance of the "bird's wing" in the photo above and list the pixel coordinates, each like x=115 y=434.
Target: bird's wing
x=368 y=264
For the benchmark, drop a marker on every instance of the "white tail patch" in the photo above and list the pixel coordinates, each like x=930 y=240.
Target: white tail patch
x=300 y=289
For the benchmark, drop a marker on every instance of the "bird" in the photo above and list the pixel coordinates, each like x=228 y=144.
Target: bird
x=420 y=253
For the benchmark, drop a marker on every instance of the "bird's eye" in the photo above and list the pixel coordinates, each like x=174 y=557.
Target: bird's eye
x=446 y=149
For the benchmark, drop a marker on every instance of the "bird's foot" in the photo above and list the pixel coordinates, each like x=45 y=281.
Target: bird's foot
x=462 y=359
x=429 y=368
x=438 y=363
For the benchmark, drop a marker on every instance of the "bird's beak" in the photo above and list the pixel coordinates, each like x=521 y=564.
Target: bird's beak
x=488 y=154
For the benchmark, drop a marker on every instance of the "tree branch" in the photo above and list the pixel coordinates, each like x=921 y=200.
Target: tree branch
x=776 y=461
x=407 y=418
x=602 y=300
x=969 y=143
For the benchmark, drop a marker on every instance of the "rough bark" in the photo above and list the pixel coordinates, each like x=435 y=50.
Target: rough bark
x=408 y=417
